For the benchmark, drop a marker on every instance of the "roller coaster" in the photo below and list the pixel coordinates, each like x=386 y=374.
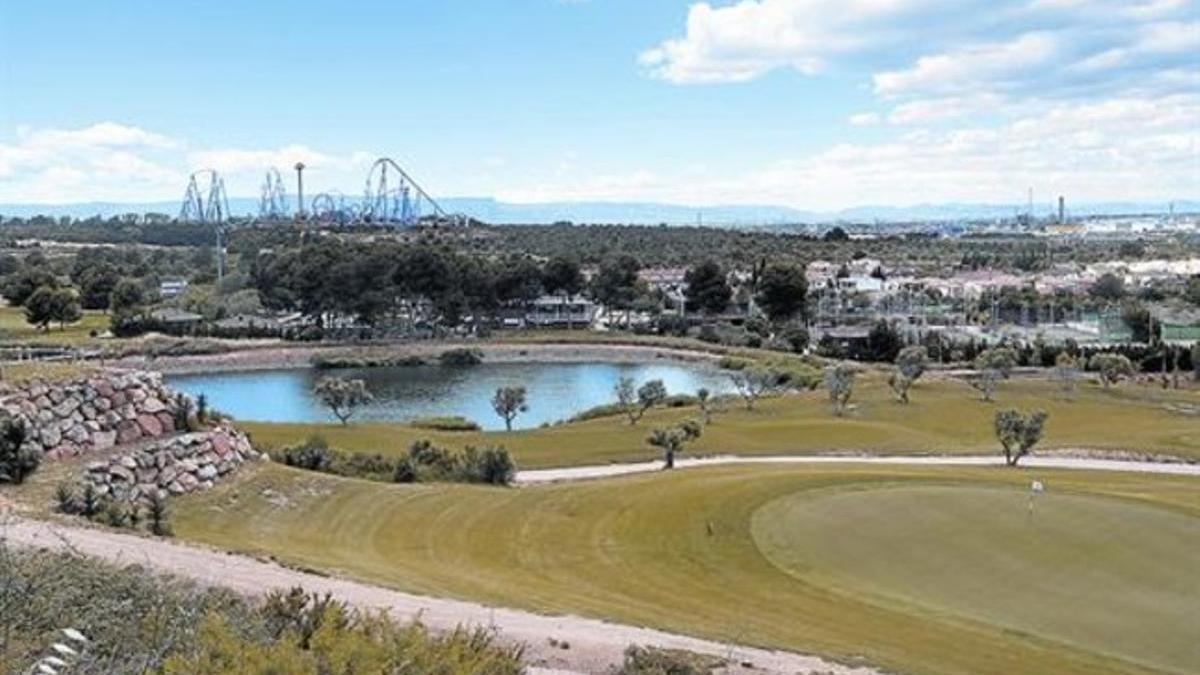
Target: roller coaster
x=391 y=198
x=208 y=204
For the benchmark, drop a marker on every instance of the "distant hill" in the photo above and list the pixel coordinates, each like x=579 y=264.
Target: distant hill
x=648 y=213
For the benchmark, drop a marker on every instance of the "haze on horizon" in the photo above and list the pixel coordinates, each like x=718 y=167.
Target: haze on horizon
x=811 y=104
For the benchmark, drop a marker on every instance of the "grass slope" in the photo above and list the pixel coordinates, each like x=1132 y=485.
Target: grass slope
x=945 y=416
x=14 y=327
x=684 y=551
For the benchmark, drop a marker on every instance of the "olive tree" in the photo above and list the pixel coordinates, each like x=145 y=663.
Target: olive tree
x=342 y=396
x=992 y=366
x=1112 y=368
x=508 y=402
x=1066 y=372
x=1018 y=433
x=754 y=382
x=704 y=402
x=635 y=402
x=910 y=365
x=839 y=382
x=672 y=440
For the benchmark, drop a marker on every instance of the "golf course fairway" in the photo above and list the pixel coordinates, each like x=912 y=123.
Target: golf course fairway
x=926 y=569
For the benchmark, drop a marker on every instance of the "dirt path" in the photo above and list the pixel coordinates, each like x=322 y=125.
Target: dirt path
x=594 y=646
x=534 y=476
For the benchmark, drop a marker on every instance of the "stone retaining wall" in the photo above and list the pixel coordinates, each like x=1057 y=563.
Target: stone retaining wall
x=96 y=413
x=171 y=466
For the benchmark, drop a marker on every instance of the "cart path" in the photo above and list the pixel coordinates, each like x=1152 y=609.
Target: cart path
x=574 y=473
x=595 y=646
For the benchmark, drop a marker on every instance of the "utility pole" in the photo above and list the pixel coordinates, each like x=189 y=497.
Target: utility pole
x=220 y=259
x=300 y=189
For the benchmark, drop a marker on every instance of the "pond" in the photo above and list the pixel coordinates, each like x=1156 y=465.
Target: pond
x=555 y=391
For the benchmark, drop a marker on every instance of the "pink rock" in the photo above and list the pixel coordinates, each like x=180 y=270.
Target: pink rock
x=150 y=425
x=221 y=444
x=128 y=432
x=119 y=399
x=167 y=421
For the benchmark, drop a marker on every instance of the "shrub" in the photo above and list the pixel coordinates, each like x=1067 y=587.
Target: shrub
x=159 y=518
x=796 y=336
x=314 y=454
x=672 y=324
x=89 y=501
x=679 y=401
x=449 y=423
x=64 y=499
x=655 y=661
x=332 y=361
x=734 y=363
x=491 y=465
x=140 y=622
x=17 y=460
x=461 y=356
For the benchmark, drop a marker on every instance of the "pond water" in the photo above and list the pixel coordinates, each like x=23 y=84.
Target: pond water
x=555 y=391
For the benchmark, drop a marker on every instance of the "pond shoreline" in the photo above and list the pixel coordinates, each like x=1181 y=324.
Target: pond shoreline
x=283 y=358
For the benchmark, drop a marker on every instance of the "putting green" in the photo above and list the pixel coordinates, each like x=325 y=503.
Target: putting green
x=1076 y=569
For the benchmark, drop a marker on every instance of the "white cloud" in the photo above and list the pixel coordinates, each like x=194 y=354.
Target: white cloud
x=965 y=68
x=105 y=161
x=925 y=111
x=865 y=119
x=120 y=163
x=1135 y=149
x=747 y=39
x=233 y=160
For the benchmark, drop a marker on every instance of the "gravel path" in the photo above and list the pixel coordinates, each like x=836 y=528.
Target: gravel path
x=594 y=646
x=535 y=476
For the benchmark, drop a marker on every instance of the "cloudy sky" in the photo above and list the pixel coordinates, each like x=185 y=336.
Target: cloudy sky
x=817 y=104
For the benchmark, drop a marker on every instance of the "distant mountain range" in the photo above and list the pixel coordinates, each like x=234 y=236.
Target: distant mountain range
x=649 y=213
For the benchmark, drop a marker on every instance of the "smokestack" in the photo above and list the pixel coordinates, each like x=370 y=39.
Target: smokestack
x=1062 y=210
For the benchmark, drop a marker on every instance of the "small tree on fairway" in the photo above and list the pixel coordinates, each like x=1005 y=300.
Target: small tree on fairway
x=649 y=395
x=704 y=402
x=17 y=460
x=508 y=403
x=626 y=397
x=839 y=381
x=1018 y=433
x=1112 y=368
x=341 y=396
x=635 y=403
x=1066 y=371
x=910 y=365
x=754 y=382
x=992 y=366
x=671 y=441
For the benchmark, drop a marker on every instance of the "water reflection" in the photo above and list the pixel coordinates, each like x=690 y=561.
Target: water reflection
x=556 y=390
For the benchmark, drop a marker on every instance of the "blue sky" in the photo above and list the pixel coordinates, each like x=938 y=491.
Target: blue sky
x=811 y=103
